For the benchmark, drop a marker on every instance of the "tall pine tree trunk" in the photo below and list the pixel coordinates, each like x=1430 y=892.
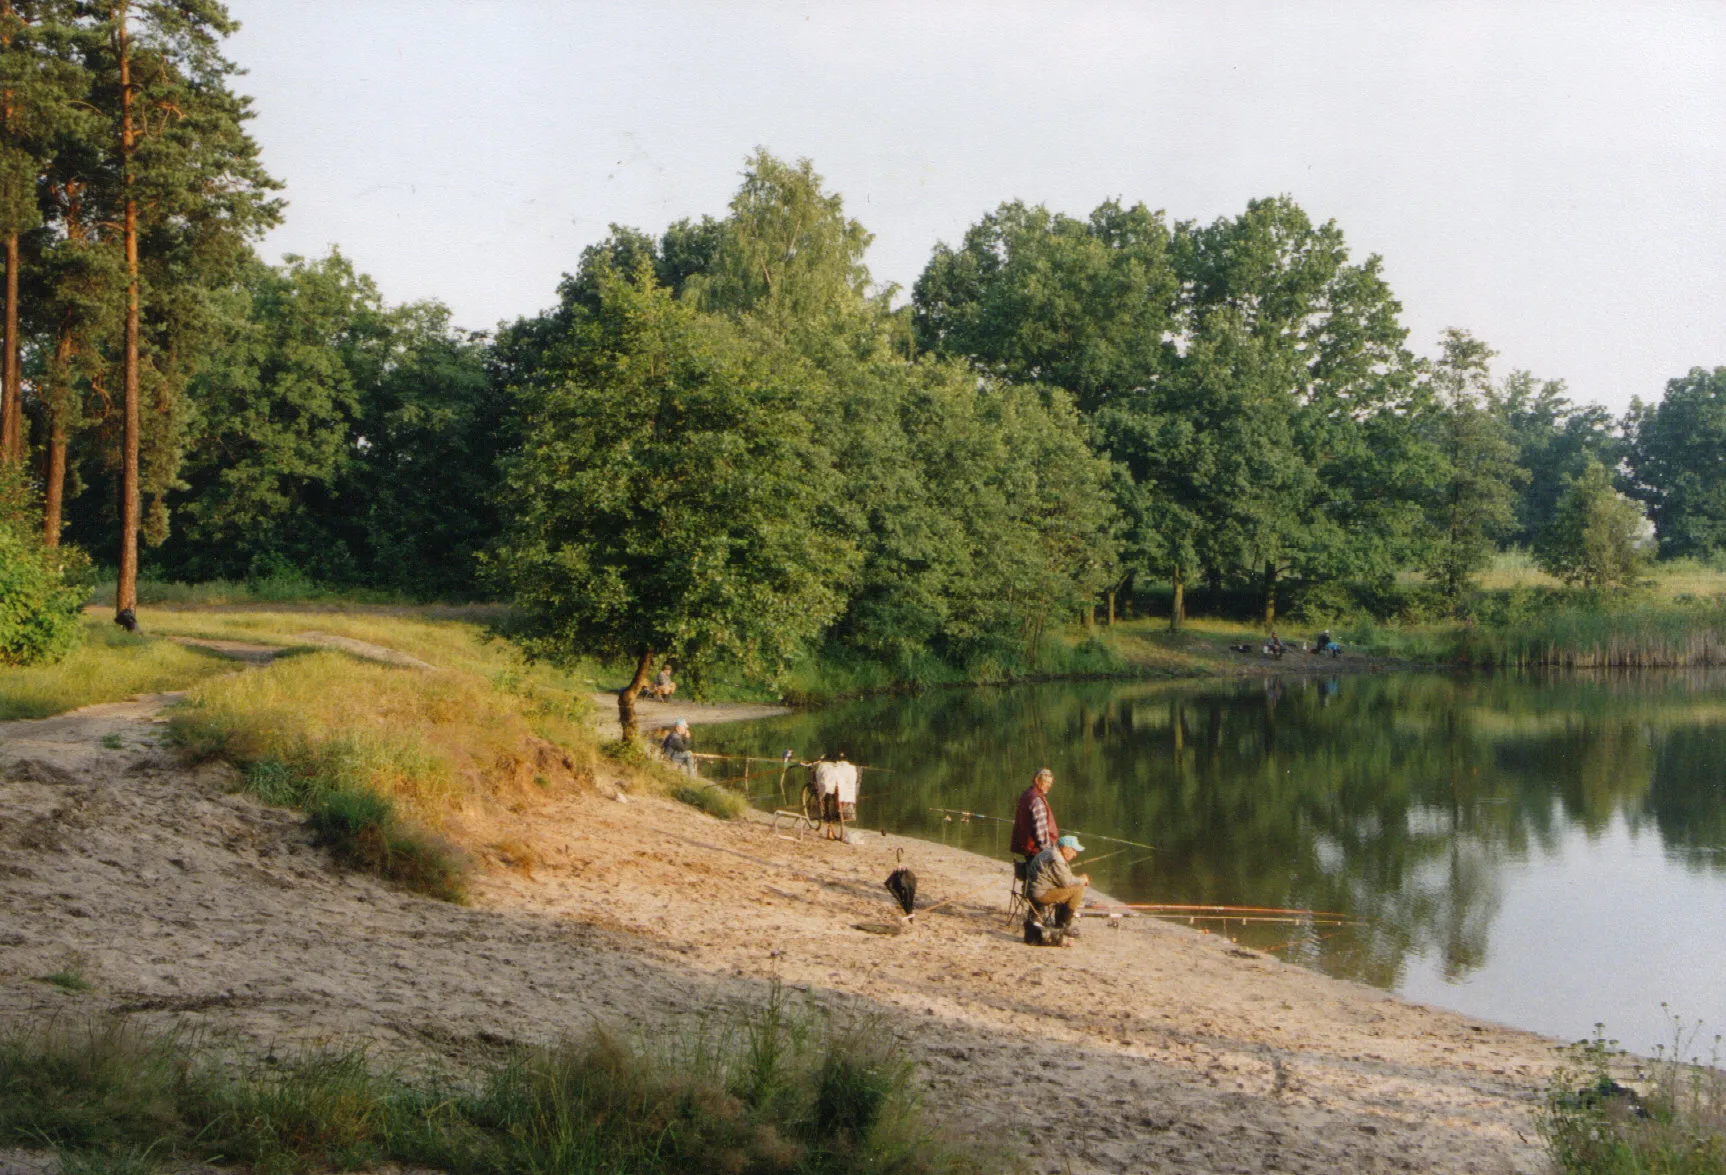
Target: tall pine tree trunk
x=11 y=381
x=126 y=590
x=1178 y=606
x=1111 y=594
x=54 y=479
x=626 y=695
x=1270 y=592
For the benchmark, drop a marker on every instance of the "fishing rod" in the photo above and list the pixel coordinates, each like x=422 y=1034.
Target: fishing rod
x=1114 y=840
x=1182 y=909
x=1279 y=919
x=966 y=817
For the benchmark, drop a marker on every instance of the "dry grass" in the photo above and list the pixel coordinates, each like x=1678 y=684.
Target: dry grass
x=386 y=760
x=109 y=666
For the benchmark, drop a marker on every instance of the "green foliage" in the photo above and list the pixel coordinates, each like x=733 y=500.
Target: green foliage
x=40 y=590
x=338 y=440
x=1671 y=1120
x=1249 y=381
x=1592 y=538
x=1676 y=449
x=667 y=494
x=713 y=799
x=1554 y=439
x=1474 y=500
x=776 y=1092
x=1038 y=297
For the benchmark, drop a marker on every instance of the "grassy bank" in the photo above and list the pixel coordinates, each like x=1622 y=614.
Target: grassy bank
x=1609 y=1114
x=109 y=666
x=384 y=758
x=774 y=1091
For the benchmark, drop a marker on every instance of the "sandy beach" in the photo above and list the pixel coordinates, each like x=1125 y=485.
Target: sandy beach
x=1147 y=1047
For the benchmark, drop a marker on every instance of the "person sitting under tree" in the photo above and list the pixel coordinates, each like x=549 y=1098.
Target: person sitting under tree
x=663 y=687
x=679 y=748
x=1054 y=888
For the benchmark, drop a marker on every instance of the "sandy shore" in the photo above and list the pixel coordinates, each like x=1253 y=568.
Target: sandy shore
x=1150 y=1047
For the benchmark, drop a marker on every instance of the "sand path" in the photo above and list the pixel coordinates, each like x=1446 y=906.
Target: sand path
x=1147 y=1048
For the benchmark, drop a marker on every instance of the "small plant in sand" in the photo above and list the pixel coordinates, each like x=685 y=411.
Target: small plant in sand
x=1608 y=1113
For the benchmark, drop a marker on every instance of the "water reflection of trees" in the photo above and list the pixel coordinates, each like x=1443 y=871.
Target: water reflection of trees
x=1397 y=800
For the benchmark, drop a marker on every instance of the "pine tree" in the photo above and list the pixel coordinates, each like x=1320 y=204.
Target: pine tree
x=192 y=195
x=41 y=81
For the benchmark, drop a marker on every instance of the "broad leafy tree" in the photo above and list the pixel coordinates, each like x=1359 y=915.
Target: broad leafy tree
x=666 y=497
x=1593 y=537
x=278 y=408
x=1554 y=438
x=1677 y=458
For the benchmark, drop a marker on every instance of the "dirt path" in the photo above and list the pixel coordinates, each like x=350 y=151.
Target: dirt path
x=1147 y=1048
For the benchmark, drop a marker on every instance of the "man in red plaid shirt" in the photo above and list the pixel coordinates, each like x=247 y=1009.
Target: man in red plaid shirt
x=1034 y=823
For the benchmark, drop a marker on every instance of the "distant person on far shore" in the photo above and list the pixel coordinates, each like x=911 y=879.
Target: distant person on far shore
x=1034 y=826
x=663 y=687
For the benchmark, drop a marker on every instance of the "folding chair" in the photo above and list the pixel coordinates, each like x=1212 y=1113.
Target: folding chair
x=1018 y=897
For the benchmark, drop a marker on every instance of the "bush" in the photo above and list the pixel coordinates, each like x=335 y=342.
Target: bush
x=40 y=601
x=712 y=798
x=1672 y=1121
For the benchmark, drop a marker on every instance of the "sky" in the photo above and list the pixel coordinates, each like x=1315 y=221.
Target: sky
x=1548 y=176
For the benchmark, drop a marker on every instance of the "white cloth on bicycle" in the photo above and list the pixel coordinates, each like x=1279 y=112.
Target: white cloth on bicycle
x=837 y=779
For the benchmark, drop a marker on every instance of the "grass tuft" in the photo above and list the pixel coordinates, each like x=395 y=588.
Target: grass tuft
x=712 y=798
x=775 y=1092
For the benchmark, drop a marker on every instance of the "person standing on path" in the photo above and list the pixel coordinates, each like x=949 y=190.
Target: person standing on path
x=1034 y=827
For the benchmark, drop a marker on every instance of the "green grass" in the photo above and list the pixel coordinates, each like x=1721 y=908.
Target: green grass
x=380 y=757
x=281 y=588
x=777 y=1090
x=713 y=798
x=66 y=979
x=109 y=666
x=1607 y=1114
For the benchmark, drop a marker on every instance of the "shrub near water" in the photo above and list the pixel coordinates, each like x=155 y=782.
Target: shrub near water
x=1671 y=1123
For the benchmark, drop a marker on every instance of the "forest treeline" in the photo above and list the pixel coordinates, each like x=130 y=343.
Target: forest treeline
x=726 y=443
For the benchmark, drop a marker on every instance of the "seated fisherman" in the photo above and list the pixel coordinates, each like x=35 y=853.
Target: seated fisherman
x=1053 y=883
x=679 y=748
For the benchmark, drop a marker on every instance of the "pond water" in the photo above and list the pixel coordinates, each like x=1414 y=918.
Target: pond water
x=1548 y=853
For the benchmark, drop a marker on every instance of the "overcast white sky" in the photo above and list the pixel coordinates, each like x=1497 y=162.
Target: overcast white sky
x=1550 y=176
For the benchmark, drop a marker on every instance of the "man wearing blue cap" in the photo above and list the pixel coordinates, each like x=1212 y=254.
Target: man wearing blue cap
x=1052 y=882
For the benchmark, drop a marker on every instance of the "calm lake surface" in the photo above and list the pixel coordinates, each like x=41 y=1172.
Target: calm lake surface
x=1548 y=853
